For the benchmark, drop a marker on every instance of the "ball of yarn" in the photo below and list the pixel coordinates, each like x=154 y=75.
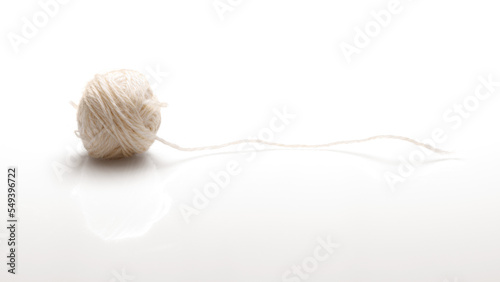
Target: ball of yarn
x=118 y=115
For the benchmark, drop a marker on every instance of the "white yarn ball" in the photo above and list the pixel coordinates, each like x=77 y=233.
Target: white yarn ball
x=118 y=115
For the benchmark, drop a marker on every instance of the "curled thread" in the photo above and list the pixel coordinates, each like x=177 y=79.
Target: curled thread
x=259 y=141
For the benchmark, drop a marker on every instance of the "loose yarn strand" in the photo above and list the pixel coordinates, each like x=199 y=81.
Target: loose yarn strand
x=297 y=146
x=119 y=116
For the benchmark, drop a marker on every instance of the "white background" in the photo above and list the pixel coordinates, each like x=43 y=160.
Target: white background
x=90 y=220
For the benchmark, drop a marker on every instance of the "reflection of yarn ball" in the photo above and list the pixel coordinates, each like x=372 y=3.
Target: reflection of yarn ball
x=113 y=206
x=118 y=115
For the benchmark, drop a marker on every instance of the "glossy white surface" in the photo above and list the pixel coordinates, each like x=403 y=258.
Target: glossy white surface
x=281 y=215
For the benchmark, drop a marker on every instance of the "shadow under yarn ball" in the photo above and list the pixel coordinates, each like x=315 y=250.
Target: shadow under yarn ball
x=118 y=115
